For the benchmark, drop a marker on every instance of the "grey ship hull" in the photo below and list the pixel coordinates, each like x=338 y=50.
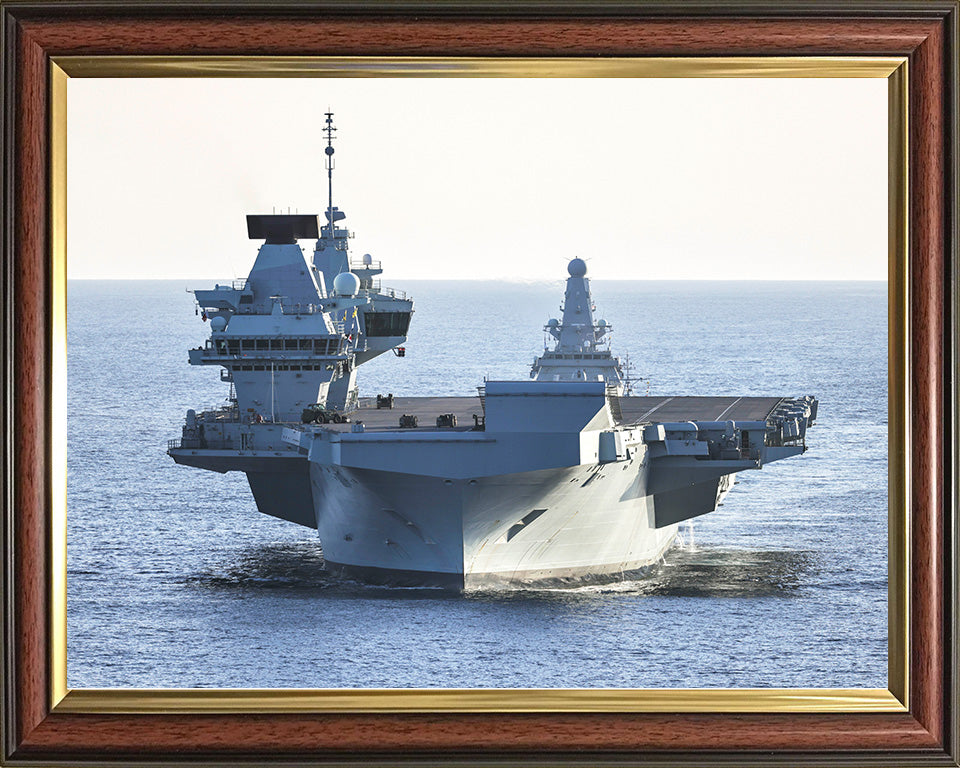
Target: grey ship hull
x=554 y=527
x=372 y=523
x=442 y=507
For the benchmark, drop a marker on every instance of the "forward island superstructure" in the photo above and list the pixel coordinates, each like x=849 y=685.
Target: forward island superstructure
x=563 y=478
x=287 y=338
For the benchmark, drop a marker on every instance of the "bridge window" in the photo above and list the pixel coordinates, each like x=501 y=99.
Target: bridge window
x=386 y=323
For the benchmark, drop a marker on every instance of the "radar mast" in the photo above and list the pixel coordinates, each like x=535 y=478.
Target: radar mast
x=329 y=130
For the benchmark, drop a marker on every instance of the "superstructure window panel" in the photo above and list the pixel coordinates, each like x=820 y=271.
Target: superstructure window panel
x=386 y=323
x=306 y=346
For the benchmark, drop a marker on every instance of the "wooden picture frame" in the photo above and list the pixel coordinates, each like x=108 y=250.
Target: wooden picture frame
x=918 y=721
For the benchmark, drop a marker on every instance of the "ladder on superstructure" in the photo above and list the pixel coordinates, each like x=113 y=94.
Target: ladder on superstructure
x=613 y=398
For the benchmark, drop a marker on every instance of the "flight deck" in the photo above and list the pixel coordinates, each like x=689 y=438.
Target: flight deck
x=635 y=410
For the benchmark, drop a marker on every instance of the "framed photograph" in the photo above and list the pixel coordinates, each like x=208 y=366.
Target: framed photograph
x=822 y=138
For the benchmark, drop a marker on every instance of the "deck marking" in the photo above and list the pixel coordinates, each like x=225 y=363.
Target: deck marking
x=728 y=408
x=658 y=405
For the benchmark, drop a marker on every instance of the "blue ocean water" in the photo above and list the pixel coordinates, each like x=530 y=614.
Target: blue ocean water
x=175 y=580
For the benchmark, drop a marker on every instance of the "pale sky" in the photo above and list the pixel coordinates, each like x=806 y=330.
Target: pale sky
x=773 y=179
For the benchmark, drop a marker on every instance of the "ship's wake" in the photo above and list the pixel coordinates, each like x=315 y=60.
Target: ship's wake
x=279 y=565
x=719 y=573
x=294 y=567
x=702 y=572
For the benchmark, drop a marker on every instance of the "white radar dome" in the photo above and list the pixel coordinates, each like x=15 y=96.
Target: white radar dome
x=346 y=284
x=602 y=323
x=218 y=323
x=367 y=259
x=577 y=267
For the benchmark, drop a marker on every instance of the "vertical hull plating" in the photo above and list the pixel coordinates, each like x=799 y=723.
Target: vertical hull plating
x=548 y=527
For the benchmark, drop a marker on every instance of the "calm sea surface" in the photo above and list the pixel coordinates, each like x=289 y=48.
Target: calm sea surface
x=175 y=580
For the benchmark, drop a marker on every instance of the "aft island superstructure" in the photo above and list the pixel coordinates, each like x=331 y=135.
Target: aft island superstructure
x=563 y=478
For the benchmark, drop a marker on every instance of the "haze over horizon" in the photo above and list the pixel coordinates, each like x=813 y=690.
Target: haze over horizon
x=526 y=281
x=495 y=179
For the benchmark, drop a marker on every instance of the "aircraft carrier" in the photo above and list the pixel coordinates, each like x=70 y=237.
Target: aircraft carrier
x=563 y=478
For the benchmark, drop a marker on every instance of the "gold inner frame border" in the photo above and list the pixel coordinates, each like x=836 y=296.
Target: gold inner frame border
x=209 y=701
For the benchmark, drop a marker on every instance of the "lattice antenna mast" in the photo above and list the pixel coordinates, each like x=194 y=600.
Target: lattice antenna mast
x=329 y=130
